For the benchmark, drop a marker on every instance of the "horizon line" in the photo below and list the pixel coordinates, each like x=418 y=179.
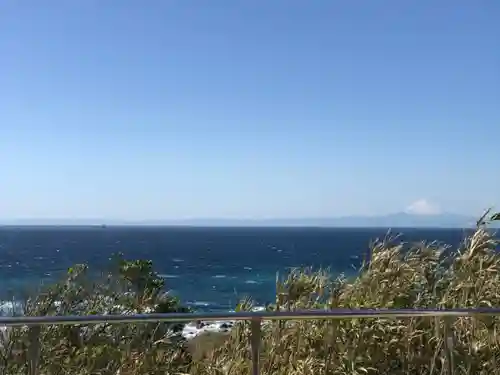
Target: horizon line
x=207 y=226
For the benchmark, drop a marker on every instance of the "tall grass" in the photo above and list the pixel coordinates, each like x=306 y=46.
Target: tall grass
x=423 y=275
x=428 y=275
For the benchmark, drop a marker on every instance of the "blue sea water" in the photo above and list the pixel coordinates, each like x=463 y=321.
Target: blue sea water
x=206 y=267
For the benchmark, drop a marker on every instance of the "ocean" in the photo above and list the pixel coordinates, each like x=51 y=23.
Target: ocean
x=207 y=268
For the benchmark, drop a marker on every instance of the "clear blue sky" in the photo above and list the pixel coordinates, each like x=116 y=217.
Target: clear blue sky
x=176 y=109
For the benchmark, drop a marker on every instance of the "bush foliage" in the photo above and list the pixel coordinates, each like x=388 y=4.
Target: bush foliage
x=427 y=275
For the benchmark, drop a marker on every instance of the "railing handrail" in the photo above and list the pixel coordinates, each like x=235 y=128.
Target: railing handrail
x=250 y=315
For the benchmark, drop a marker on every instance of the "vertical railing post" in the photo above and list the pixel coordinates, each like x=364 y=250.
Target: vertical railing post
x=255 y=337
x=34 y=350
x=449 y=345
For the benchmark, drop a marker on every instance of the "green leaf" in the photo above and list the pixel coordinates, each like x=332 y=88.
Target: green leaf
x=495 y=217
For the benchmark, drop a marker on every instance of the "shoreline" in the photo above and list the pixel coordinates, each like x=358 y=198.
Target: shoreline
x=194 y=329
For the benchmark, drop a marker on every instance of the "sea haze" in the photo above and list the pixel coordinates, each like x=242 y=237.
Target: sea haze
x=206 y=267
x=397 y=220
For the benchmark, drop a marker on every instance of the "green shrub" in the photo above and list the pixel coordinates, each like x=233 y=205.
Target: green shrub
x=133 y=287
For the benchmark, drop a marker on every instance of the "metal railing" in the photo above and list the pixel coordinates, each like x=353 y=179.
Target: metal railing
x=255 y=318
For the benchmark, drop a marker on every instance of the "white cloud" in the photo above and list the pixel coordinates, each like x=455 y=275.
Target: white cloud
x=423 y=207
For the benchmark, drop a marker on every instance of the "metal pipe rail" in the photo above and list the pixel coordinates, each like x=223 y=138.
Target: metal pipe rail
x=256 y=318
x=250 y=315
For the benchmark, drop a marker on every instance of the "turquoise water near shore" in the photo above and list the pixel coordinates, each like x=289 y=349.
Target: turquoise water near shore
x=208 y=268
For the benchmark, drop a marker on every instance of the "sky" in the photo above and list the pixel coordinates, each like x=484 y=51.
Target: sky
x=183 y=109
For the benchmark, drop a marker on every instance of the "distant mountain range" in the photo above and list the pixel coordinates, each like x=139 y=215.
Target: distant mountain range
x=401 y=220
